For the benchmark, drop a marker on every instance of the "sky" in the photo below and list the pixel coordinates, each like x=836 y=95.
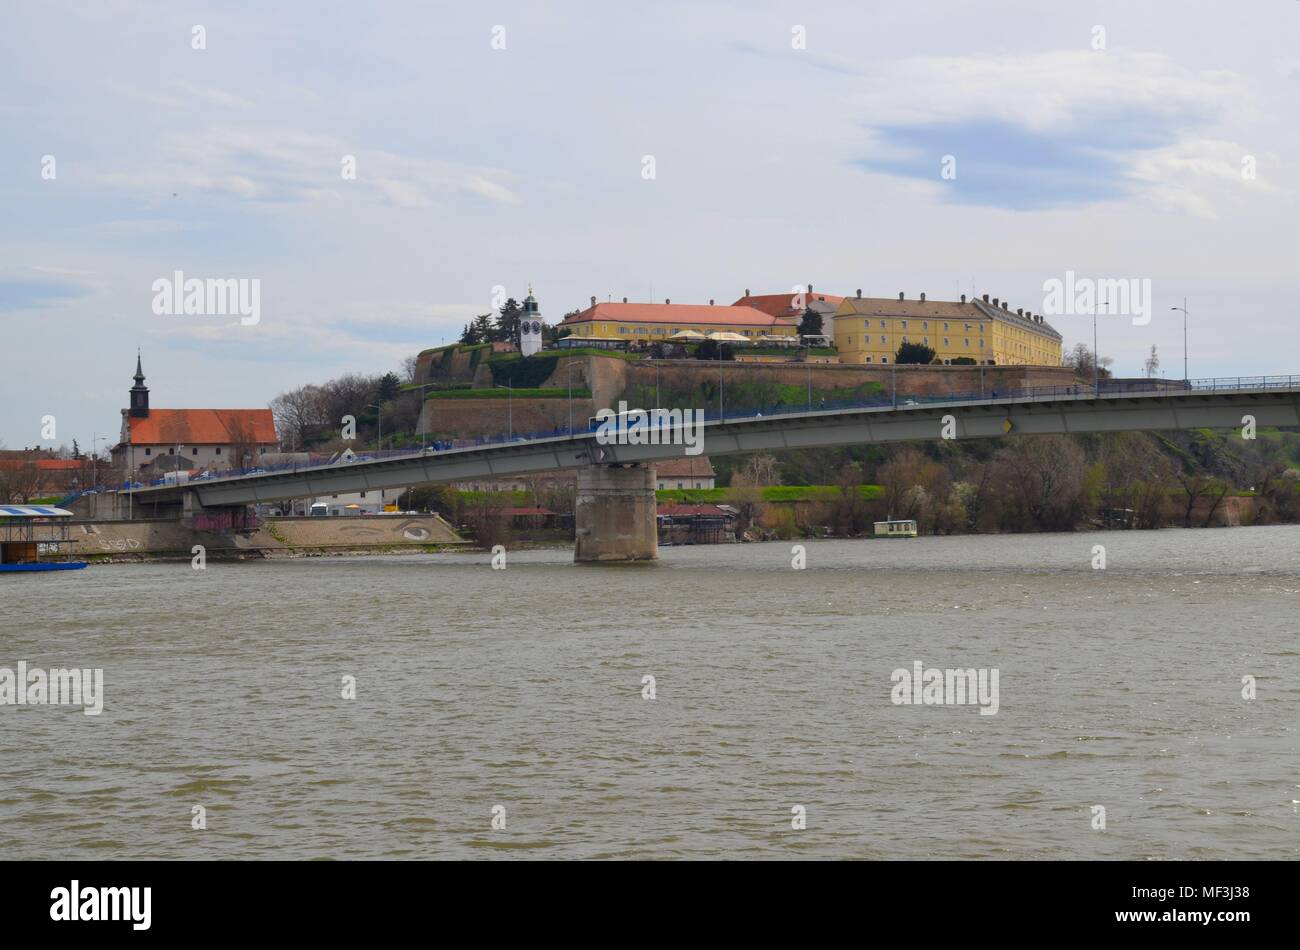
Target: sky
x=687 y=151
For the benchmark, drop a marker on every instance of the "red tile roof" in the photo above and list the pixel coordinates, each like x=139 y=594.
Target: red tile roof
x=202 y=427
x=781 y=305
x=676 y=314
x=45 y=465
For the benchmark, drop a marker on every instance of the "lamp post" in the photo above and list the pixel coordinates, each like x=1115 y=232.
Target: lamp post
x=379 y=414
x=1096 y=358
x=1183 y=308
x=510 y=407
x=570 y=371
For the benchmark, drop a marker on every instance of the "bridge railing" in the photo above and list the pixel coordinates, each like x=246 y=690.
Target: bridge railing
x=902 y=401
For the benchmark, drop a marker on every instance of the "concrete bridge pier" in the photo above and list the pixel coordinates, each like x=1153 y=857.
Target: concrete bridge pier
x=614 y=514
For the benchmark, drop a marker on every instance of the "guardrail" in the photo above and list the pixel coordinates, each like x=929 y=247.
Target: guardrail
x=1077 y=391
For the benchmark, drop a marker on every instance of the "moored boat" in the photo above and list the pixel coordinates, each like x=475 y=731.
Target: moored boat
x=34 y=538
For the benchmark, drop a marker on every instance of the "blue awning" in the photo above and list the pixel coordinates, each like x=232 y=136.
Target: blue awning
x=33 y=511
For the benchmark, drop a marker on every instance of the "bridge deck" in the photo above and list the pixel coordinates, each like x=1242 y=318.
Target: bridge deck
x=1040 y=414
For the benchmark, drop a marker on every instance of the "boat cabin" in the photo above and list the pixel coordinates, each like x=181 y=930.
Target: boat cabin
x=35 y=538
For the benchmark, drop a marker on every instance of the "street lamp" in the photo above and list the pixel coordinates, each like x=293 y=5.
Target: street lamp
x=1183 y=308
x=1096 y=358
x=510 y=407
x=570 y=372
x=379 y=414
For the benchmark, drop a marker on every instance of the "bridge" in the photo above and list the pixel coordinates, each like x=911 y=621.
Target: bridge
x=615 y=505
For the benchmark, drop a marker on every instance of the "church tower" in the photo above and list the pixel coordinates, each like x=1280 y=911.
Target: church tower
x=139 y=393
x=530 y=326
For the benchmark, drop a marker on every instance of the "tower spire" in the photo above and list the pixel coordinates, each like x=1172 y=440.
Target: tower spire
x=139 y=392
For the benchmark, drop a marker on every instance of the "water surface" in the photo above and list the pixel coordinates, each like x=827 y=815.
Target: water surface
x=523 y=688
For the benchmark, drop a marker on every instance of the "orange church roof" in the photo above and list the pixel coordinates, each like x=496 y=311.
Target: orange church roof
x=202 y=427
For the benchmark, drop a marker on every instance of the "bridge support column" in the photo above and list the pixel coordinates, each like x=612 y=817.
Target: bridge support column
x=614 y=514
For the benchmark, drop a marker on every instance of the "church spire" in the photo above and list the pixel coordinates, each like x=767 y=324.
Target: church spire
x=139 y=392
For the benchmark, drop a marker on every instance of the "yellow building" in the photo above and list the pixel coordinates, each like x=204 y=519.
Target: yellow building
x=871 y=329
x=656 y=322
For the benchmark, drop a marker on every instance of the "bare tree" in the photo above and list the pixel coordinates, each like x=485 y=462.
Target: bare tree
x=243 y=442
x=299 y=413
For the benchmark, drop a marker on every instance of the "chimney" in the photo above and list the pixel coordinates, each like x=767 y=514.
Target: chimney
x=986 y=298
x=710 y=301
x=593 y=301
x=963 y=298
x=859 y=293
x=922 y=296
x=624 y=300
x=996 y=303
x=900 y=295
x=667 y=301
x=1020 y=311
x=746 y=291
x=810 y=290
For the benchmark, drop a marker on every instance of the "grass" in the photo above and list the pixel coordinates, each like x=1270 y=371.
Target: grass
x=775 y=494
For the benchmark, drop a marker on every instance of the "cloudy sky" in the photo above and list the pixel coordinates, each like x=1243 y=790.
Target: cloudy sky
x=791 y=143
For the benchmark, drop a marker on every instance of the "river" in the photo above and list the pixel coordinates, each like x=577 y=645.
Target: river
x=520 y=695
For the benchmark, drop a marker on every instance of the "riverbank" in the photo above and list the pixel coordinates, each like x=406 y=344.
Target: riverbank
x=100 y=541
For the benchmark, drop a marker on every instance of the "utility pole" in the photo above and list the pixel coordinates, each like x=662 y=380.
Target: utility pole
x=1096 y=357
x=1183 y=308
x=379 y=414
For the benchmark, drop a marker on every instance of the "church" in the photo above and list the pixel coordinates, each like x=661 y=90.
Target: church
x=154 y=441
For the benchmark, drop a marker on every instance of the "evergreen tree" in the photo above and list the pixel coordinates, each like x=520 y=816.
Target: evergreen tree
x=914 y=353
x=507 y=328
x=389 y=387
x=483 y=330
x=811 y=324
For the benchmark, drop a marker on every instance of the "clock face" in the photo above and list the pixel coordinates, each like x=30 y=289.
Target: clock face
x=537 y=327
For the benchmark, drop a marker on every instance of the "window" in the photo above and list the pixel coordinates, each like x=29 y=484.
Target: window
x=925 y=325
x=867 y=360
x=148 y=451
x=968 y=328
x=622 y=329
x=219 y=450
x=194 y=451
x=904 y=322
x=363 y=495
x=968 y=342
x=945 y=341
x=882 y=338
x=945 y=328
x=882 y=324
x=884 y=359
x=850 y=341
x=925 y=340
x=867 y=324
